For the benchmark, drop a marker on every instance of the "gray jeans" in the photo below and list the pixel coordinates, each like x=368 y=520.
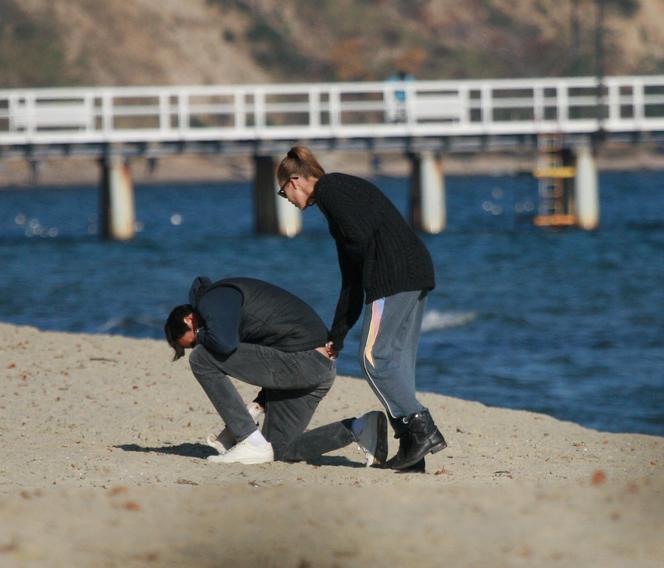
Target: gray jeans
x=388 y=350
x=293 y=385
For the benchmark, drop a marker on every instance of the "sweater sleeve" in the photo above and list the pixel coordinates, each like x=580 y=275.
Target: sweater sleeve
x=353 y=218
x=351 y=300
x=220 y=311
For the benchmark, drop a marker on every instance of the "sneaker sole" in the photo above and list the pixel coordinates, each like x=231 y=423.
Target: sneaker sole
x=255 y=461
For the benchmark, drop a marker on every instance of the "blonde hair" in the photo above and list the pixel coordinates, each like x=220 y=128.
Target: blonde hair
x=299 y=161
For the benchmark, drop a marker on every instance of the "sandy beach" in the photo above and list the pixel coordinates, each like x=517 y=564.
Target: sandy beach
x=103 y=464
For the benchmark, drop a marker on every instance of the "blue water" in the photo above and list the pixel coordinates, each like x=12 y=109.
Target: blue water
x=569 y=323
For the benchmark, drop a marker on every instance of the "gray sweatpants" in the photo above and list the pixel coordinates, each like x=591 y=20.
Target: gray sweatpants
x=293 y=385
x=388 y=350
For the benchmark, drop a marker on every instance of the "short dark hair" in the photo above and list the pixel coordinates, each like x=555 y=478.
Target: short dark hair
x=175 y=328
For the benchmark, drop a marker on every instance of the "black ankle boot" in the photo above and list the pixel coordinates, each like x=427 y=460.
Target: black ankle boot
x=401 y=434
x=397 y=459
x=419 y=467
x=421 y=438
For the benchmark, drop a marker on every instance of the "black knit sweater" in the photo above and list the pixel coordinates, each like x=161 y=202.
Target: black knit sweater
x=379 y=254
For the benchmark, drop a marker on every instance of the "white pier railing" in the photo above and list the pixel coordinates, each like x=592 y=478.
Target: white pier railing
x=331 y=110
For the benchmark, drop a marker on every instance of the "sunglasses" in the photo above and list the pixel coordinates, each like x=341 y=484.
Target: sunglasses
x=282 y=189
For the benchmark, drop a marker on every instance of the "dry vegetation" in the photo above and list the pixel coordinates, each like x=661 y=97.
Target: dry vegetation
x=114 y=42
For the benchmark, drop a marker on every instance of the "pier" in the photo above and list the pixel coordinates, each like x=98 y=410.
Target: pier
x=425 y=120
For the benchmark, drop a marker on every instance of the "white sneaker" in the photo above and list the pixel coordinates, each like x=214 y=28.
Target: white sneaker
x=226 y=439
x=247 y=453
x=373 y=438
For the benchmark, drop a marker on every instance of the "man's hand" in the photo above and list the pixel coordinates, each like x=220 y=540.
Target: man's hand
x=331 y=351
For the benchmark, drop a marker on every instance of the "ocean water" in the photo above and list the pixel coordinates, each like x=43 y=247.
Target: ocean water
x=569 y=323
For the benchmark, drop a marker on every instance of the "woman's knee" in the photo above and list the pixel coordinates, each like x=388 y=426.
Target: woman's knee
x=377 y=366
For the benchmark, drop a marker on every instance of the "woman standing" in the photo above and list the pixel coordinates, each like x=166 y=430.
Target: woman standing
x=387 y=267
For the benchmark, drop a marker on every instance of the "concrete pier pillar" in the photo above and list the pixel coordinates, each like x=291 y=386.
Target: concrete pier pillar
x=272 y=214
x=427 y=193
x=116 y=211
x=586 y=190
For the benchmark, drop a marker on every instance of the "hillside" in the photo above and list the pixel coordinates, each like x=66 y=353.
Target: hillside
x=115 y=42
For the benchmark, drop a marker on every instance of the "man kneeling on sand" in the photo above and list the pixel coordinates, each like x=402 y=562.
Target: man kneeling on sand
x=263 y=335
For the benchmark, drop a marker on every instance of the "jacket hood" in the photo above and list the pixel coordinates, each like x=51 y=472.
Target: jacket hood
x=199 y=286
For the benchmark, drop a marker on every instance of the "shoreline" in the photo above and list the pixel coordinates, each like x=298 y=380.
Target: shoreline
x=104 y=465
x=357 y=378
x=76 y=171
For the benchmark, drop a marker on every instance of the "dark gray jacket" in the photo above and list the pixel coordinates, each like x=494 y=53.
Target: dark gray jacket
x=247 y=310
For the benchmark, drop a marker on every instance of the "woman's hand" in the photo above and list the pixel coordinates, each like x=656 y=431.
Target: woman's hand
x=331 y=351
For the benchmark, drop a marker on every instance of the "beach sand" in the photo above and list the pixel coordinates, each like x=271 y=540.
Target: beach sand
x=102 y=464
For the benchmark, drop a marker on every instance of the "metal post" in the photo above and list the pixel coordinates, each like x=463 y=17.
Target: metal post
x=272 y=214
x=116 y=204
x=599 y=71
x=427 y=193
x=575 y=41
x=586 y=190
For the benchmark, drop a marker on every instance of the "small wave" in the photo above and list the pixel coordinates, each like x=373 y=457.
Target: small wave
x=435 y=320
x=133 y=326
x=111 y=324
